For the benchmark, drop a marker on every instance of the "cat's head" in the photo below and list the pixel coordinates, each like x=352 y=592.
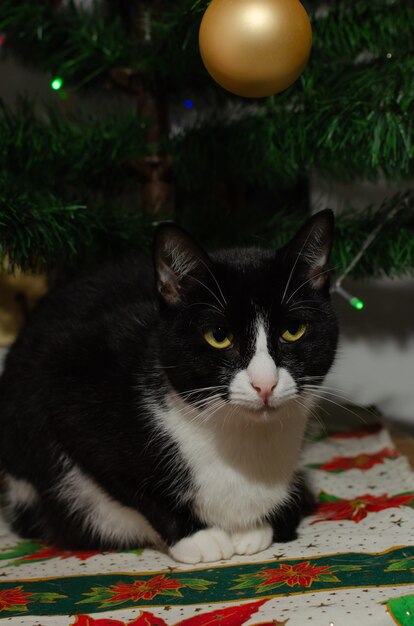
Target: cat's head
x=250 y=327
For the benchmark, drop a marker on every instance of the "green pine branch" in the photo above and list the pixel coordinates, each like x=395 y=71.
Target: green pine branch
x=344 y=30
x=359 y=125
x=341 y=118
x=58 y=154
x=38 y=229
x=270 y=147
x=349 y=116
x=83 y=46
x=73 y=43
x=392 y=251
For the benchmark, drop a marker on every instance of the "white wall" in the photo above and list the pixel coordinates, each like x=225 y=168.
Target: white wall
x=375 y=364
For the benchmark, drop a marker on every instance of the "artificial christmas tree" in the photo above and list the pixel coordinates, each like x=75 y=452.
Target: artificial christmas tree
x=239 y=170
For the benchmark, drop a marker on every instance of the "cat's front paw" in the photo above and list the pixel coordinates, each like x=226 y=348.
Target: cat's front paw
x=252 y=541
x=211 y=544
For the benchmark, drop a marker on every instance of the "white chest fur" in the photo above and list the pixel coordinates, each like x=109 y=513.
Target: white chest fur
x=240 y=468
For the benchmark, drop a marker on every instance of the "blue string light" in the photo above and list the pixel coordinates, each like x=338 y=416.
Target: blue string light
x=188 y=104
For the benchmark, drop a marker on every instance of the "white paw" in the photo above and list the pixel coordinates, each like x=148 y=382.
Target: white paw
x=252 y=541
x=211 y=544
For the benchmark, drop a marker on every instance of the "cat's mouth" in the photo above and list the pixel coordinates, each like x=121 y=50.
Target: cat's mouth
x=259 y=409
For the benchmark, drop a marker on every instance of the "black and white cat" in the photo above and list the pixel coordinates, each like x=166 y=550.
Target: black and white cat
x=168 y=407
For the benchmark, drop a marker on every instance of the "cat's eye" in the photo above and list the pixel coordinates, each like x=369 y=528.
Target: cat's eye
x=293 y=332
x=218 y=337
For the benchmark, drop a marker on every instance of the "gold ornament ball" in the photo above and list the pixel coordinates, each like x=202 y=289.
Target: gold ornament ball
x=255 y=48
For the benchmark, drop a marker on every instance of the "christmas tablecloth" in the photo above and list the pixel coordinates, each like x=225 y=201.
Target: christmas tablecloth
x=352 y=563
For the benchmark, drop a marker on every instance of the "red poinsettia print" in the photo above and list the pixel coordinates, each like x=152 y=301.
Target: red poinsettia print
x=145 y=619
x=334 y=509
x=360 y=461
x=48 y=552
x=143 y=589
x=301 y=575
x=14 y=599
x=230 y=616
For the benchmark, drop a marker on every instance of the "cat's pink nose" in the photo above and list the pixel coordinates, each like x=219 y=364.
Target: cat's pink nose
x=264 y=388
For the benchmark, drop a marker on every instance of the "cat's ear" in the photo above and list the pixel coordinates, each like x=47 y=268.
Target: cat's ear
x=179 y=262
x=310 y=248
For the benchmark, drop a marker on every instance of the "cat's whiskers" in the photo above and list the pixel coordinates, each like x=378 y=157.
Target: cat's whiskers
x=301 y=303
x=244 y=401
x=305 y=302
x=200 y=407
x=338 y=393
x=314 y=415
x=216 y=408
x=324 y=387
x=309 y=280
x=323 y=392
x=197 y=404
x=216 y=281
x=311 y=410
x=229 y=415
x=291 y=389
x=294 y=266
x=341 y=406
x=184 y=394
x=207 y=304
x=312 y=377
x=206 y=413
x=321 y=384
x=318 y=384
x=197 y=408
x=222 y=306
x=333 y=390
x=306 y=308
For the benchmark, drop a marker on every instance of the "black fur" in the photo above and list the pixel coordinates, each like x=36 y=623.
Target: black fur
x=77 y=381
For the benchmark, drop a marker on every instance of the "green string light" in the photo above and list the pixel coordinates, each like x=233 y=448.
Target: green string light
x=56 y=83
x=353 y=300
x=356 y=303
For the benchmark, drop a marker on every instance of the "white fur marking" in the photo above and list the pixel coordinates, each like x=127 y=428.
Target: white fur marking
x=19 y=492
x=253 y=541
x=211 y=544
x=241 y=458
x=241 y=468
x=262 y=368
x=262 y=372
x=102 y=514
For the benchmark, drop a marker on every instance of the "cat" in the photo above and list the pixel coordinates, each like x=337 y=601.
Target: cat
x=164 y=404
